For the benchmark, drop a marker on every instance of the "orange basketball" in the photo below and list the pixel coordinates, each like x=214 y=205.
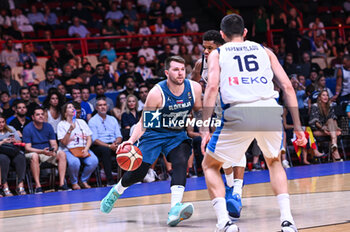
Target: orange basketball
x=129 y=158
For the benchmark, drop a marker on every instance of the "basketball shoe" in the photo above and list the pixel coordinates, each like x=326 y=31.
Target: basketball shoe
x=233 y=203
x=229 y=227
x=287 y=226
x=108 y=201
x=179 y=212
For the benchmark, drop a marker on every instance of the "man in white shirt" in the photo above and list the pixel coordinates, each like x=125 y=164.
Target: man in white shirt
x=78 y=30
x=174 y=9
x=147 y=52
x=143 y=93
x=141 y=68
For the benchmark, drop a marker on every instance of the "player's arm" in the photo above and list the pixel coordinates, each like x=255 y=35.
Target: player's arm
x=289 y=95
x=196 y=72
x=212 y=88
x=153 y=102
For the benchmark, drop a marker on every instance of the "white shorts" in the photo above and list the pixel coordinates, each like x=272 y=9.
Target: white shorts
x=242 y=163
x=261 y=120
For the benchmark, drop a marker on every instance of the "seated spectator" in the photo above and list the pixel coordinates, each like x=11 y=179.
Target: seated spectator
x=6 y=109
x=192 y=25
x=54 y=62
x=109 y=52
x=174 y=9
x=147 y=52
x=173 y=25
x=9 y=56
x=318 y=25
x=37 y=19
x=144 y=29
x=85 y=96
x=69 y=77
x=28 y=55
x=100 y=92
x=49 y=82
x=82 y=13
x=78 y=30
x=141 y=68
x=75 y=137
x=121 y=69
x=131 y=116
x=119 y=108
x=63 y=91
x=41 y=146
x=167 y=53
x=52 y=106
x=130 y=87
x=126 y=28
x=19 y=120
x=130 y=12
x=66 y=54
x=28 y=75
x=24 y=95
x=33 y=99
x=338 y=60
x=183 y=52
x=86 y=73
x=50 y=17
x=323 y=121
x=130 y=73
x=114 y=14
x=143 y=93
x=196 y=54
x=320 y=85
x=110 y=28
x=100 y=78
x=155 y=12
x=144 y=5
x=159 y=27
x=106 y=137
x=85 y=107
x=10 y=154
x=21 y=22
x=342 y=89
x=7 y=83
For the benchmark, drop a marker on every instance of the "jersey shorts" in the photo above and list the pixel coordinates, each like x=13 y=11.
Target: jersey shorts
x=240 y=124
x=153 y=143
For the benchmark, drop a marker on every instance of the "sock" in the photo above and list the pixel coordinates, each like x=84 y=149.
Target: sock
x=237 y=186
x=120 y=188
x=177 y=192
x=284 y=203
x=219 y=205
x=229 y=180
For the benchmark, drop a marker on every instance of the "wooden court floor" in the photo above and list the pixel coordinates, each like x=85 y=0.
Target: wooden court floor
x=318 y=204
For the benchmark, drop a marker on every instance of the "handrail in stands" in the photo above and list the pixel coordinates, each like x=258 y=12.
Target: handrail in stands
x=84 y=44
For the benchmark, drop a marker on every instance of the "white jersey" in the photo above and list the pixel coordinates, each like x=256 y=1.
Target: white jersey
x=246 y=74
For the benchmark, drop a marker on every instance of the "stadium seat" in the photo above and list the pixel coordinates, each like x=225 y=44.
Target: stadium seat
x=61 y=33
x=42 y=62
x=320 y=61
x=39 y=71
x=93 y=60
x=16 y=74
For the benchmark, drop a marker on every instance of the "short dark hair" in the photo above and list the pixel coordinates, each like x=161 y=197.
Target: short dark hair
x=178 y=59
x=75 y=87
x=37 y=108
x=98 y=83
x=5 y=92
x=213 y=35
x=101 y=98
x=100 y=65
x=22 y=88
x=232 y=25
x=16 y=102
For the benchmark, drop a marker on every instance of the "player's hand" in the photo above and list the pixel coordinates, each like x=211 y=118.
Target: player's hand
x=121 y=146
x=205 y=139
x=301 y=140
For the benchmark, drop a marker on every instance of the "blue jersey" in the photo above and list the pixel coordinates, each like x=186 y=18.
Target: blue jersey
x=174 y=112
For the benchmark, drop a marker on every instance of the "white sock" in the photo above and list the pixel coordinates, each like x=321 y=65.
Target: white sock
x=119 y=188
x=237 y=186
x=177 y=192
x=284 y=203
x=219 y=205
x=229 y=180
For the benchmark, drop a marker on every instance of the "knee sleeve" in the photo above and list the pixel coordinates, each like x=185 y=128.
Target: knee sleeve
x=179 y=158
x=130 y=178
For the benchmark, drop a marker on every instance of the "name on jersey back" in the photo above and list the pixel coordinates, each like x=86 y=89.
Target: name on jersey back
x=242 y=48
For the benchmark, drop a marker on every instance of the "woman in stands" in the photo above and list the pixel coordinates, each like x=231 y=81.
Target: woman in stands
x=52 y=104
x=75 y=135
x=131 y=116
x=10 y=154
x=323 y=121
x=119 y=108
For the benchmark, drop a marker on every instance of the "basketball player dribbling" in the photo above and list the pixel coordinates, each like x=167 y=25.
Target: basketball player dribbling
x=234 y=173
x=244 y=70
x=172 y=100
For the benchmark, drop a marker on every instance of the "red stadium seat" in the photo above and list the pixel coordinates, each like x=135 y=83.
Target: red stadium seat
x=322 y=9
x=53 y=5
x=61 y=33
x=67 y=4
x=29 y=35
x=41 y=34
x=336 y=8
x=94 y=31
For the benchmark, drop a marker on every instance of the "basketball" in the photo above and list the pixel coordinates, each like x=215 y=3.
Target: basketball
x=129 y=158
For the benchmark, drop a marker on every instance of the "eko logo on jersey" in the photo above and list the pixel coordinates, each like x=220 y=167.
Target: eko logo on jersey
x=246 y=80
